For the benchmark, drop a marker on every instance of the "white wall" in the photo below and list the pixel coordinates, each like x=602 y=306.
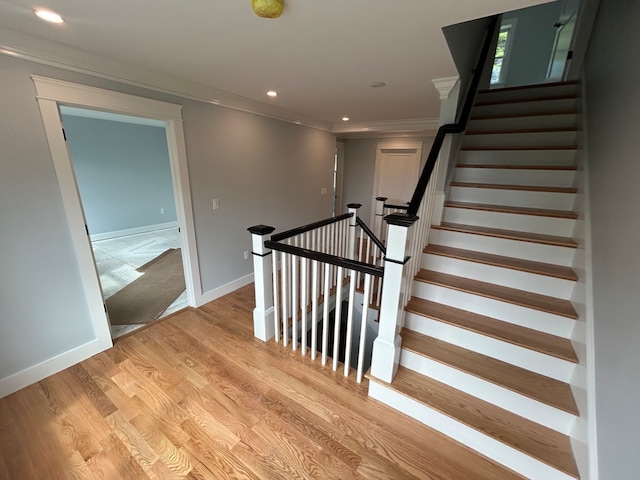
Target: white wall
x=612 y=77
x=262 y=170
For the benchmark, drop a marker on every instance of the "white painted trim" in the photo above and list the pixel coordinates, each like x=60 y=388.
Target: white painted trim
x=388 y=147
x=428 y=126
x=445 y=85
x=132 y=231
x=37 y=372
x=211 y=295
x=470 y=437
x=50 y=94
x=33 y=49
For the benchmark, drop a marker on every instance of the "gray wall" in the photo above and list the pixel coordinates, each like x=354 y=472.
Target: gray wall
x=123 y=173
x=532 y=43
x=262 y=170
x=612 y=77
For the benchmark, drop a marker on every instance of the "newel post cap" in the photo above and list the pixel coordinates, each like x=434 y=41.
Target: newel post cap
x=261 y=229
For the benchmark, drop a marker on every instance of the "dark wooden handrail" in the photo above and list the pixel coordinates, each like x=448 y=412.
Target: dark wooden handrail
x=457 y=127
x=307 y=228
x=371 y=235
x=326 y=258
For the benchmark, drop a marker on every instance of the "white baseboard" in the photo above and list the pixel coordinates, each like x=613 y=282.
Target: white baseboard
x=211 y=295
x=37 y=372
x=133 y=231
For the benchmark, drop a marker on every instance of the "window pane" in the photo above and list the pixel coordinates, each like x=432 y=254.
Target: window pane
x=495 y=72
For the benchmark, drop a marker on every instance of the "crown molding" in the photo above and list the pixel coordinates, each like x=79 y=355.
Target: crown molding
x=426 y=126
x=26 y=47
x=444 y=85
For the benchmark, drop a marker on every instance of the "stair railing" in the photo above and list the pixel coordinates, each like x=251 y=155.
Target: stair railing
x=408 y=232
x=315 y=272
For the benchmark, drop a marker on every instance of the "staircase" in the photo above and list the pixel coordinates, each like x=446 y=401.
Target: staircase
x=486 y=351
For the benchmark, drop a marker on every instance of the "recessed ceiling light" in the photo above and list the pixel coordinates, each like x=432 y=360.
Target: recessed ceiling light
x=48 y=15
x=272 y=93
x=345 y=119
x=377 y=84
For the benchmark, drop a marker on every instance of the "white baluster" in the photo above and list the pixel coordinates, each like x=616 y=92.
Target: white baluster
x=352 y=298
x=304 y=301
x=325 y=316
x=363 y=327
x=294 y=302
x=338 y=320
x=314 y=309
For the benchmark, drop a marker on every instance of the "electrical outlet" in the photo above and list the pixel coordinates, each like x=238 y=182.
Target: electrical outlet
x=216 y=204
x=162 y=211
x=246 y=254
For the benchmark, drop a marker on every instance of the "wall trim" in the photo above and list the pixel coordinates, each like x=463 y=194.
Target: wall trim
x=35 y=373
x=218 y=292
x=422 y=126
x=133 y=231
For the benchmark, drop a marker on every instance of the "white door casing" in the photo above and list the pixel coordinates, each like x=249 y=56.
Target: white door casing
x=50 y=94
x=397 y=170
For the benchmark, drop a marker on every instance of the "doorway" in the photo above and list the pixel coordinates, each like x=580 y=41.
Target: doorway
x=122 y=169
x=51 y=94
x=396 y=172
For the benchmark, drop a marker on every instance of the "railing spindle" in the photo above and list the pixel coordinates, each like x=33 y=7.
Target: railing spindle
x=363 y=327
x=352 y=298
x=314 y=309
x=338 y=320
x=325 y=315
x=304 y=300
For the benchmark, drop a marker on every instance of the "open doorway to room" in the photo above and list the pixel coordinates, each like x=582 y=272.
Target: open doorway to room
x=51 y=95
x=123 y=172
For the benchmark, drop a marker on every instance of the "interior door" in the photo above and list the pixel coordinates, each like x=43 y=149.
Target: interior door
x=562 y=45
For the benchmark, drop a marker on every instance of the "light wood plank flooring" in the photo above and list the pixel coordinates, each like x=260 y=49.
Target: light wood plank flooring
x=195 y=396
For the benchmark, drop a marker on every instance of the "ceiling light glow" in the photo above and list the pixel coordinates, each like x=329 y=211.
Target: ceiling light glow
x=272 y=93
x=345 y=119
x=48 y=15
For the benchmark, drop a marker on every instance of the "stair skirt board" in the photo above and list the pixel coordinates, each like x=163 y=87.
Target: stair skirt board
x=485 y=445
x=534 y=410
x=521 y=157
x=512 y=198
x=519 y=356
x=536 y=252
x=507 y=312
x=508 y=277
x=511 y=176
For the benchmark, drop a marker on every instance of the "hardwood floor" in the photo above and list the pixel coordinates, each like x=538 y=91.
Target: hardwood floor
x=196 y=396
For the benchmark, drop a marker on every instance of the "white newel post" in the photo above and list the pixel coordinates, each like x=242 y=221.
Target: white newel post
x=377 y=227
x=386 y=347
x=263 y=321
x=351 y=252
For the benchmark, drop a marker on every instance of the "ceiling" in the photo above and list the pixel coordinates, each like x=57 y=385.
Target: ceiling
x=320 y=56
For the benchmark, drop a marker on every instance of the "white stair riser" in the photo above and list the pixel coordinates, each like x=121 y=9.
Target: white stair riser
x=526 y=407
x=531 y=139
x=536 y=252
x=522 y=357
x=561 y=227
x=522 y=94
x=518 y=157
x=472 y=438
x=524 y=108
x=507 y=277
x=513 y=198
x=528 y=122
x=506 y=176
x=507 y=312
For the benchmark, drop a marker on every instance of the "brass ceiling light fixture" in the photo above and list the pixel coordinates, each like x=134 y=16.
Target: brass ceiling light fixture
x=267 y=8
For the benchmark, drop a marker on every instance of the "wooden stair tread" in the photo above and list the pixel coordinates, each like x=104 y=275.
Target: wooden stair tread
x=518 y=88
x=522 y=130
x=519 y=148
x=548 y=269
x=481 y=103
x=542 y=443
x=538 y=212
x=508 y=234
x=547 y=113
x=508 y=332
x=536 y=301
x=546 y=390
x=498 y=166
x=525 y=188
